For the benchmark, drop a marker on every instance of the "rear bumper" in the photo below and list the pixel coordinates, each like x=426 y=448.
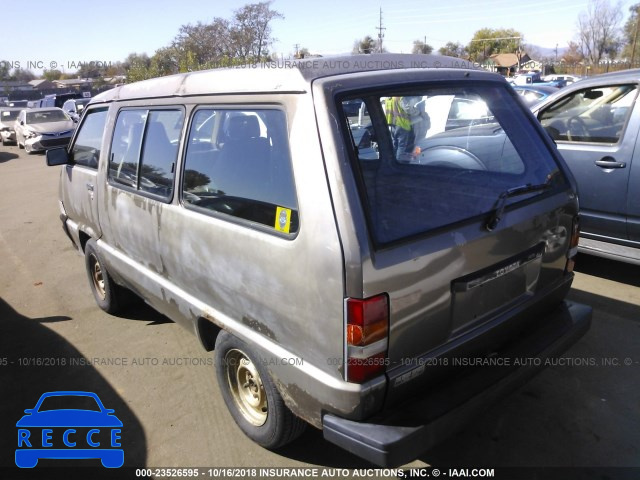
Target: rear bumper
x=400 y=435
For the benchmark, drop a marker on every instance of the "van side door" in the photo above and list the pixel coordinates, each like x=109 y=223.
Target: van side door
x=79 y=182
x=142 y=164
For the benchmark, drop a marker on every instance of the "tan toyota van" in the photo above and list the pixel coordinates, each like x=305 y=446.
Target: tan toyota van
x=369 y=243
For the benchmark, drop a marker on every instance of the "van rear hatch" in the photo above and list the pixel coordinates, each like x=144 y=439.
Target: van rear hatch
x=469 y=216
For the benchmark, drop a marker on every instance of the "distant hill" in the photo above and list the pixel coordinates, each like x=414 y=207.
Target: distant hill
x=545 y=52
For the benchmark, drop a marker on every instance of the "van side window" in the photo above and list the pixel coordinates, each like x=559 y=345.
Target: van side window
x=88 y=142
x=160 y=151
x=125 y=147
x=238 y=164
x=144 y=150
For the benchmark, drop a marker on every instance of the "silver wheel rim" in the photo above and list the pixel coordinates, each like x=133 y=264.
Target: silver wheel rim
x=246 y=387
x=96 y=276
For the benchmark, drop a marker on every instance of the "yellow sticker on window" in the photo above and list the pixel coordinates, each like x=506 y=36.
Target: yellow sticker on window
x=283 y=219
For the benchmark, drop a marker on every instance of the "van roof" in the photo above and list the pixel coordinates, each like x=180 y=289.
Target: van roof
x=292 y=76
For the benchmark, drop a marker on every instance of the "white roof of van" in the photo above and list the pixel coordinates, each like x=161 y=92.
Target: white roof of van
x=292 y=76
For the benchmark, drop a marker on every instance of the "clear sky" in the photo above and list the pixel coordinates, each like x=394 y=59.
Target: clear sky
x=55 y=34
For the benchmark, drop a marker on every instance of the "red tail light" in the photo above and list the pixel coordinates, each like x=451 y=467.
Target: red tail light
x=367 y=332
x=573 y=246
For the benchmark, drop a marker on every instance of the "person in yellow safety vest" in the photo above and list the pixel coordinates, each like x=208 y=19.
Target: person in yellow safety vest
x=403 y=136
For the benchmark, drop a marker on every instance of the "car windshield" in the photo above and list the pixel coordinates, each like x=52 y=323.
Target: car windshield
x=6 y=115
x=45 y=116
x=69 y=402
x=80 y=104
x=431 y=157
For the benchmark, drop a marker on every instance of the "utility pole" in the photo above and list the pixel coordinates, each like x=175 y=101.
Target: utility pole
x=380 y=29
x=296 y=46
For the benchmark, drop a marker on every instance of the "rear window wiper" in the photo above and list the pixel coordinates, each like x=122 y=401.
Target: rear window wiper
x=494 y=219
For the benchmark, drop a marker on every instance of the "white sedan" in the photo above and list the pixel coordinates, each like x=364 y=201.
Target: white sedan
x=43 y=128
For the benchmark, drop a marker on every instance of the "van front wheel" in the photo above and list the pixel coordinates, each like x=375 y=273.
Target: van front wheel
x=106 y=292
x=251 y=397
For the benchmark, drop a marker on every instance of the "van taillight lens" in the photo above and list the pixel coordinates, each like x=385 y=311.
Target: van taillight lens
x=367 y=332
x=573 y=246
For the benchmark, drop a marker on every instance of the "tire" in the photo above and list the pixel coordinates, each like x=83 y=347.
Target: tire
x=255 y=405
x=108 y=295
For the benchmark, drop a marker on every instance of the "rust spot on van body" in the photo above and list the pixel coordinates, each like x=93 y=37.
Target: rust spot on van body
x=258 y=327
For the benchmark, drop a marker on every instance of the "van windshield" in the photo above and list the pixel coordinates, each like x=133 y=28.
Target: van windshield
x=432 y=157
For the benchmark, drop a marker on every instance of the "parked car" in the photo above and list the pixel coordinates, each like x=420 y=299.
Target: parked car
x=342 y=291
x=19 y=103
x=58 y=99
x=567 y=79
x=74 y=107
x=8 y=117
x=534 y=93
x=535 y=79
x=595 y=123
x=42 y=128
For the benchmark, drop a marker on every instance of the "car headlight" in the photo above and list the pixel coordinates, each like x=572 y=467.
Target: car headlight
x=30 y=133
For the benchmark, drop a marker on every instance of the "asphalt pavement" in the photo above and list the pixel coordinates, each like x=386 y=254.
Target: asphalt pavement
x=583 y=412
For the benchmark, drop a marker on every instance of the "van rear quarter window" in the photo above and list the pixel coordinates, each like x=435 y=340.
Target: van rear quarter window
x=434 y=156
x=238 y=164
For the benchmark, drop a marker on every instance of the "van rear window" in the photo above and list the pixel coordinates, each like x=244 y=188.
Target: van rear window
x=432 y=157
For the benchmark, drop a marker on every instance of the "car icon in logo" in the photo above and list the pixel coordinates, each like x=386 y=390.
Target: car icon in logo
x=69 y=425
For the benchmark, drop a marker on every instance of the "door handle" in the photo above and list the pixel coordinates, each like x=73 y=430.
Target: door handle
x=610 y=162
x=90 y=187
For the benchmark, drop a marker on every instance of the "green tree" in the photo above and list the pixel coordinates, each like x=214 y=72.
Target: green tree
x=302 y=53
x=366 y=45
x=453 y=49
x=136 y=59
x=90 y=70
x=573 y=55
x=22 y=75
x=220 y=43
x=204 y=43
x=631 y=34
x=52 y=75
x=250 y=33
x=421 y=47
x=488 y=41
x=167 y=61
x=598 y=30
x=4 y=70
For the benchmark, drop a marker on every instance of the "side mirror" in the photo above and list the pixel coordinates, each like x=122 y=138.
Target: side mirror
x=57 y=156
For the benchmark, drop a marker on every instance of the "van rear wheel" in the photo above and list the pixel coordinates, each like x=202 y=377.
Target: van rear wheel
x=251 y=396
x=107 y=293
